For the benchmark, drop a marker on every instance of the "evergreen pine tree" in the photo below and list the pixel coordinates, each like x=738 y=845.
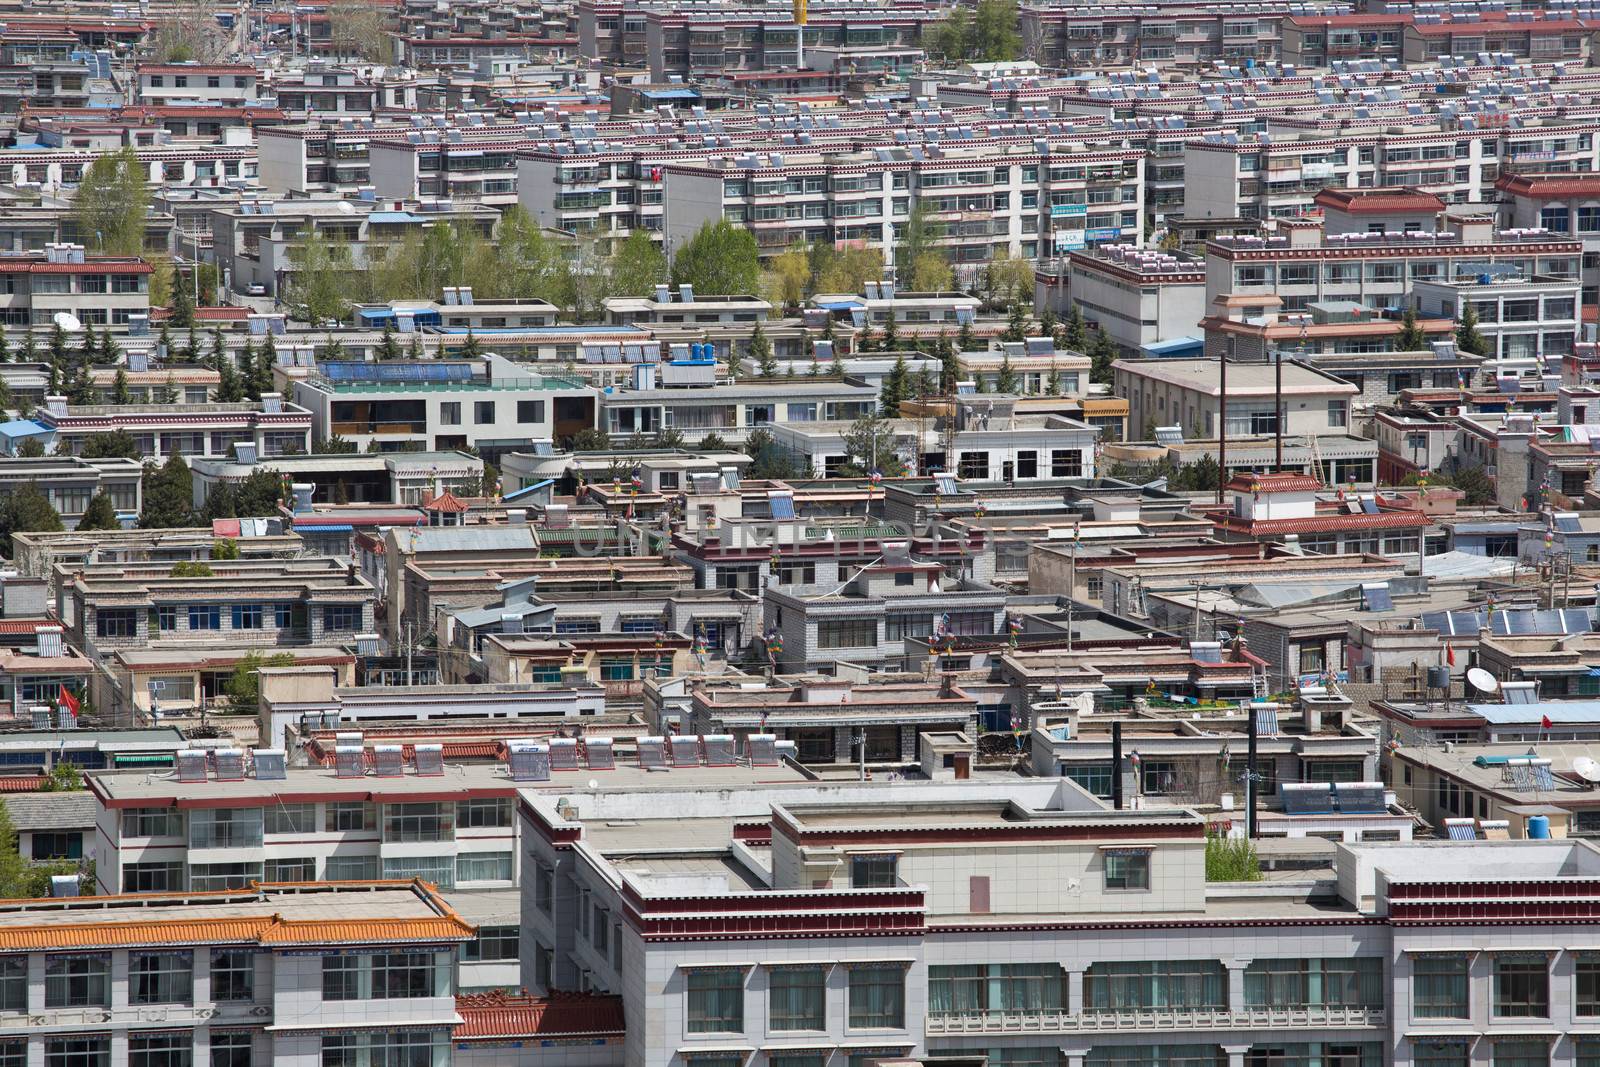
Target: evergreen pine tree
x=5 y=347
x=120 y=393
x=101 y=514
x=389 y=344
x=168 y=495
x=895 y=386
x=761 y=353
x=1077 y=334
x=1009 y=381
x=965 y=341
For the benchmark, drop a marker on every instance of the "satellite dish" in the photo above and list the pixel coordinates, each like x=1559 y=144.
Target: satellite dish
x=1482 y=680
x=1586 y=768
x=68 y=321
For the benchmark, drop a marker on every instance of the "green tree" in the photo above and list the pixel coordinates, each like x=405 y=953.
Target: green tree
x=1101 y=355
x=713 y=442
x=101 y=514
x=219 y=350
x=922 y=384
x=120 y=393
x=950 y=369
x=590 y=439
x=1410 y=338
x=243 y=688
x=869 y=446
x=331 y=446
x=994 y=32
x=1231 y=859
x=111 y=203
x=1476 y=484
x=891 y=335
x=64 y=776
x=389 y=343
x=30 y=448
x=638 y=266
x=182 y=304
x=931 y=272
x=258 y=495
x=319 y=283
x=918 y=238
x=27 y=510
x=13 y=868
x=866 y=340
x=1468 y=337
x=471 y=348
x=261 y=372
x=225 y=548
x=190 y=568
x=1077 y=332
x=788 y=278
x=966 y=341
x=895 y=388
x=230 y=389
x=768 y=459
x=954 y=39
x=112 y=444
x=720 y=259
x=167 y=392
x=1016 y=324
x=1008 y=281
x=1009 y=381
x=168 y=495
x=761 y=353
x=5 y=347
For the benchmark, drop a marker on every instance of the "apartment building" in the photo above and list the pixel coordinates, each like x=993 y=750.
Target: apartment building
x=255 y=975
x=985 y=202
x=71 y=482
x=35 y=287
x=1563 y=205
x=1317 y=40
x=197 y=83
x=731 y=410
x=1365 y=980
x=1140 y=298
x=1186 y=392
x=330 y=92
x=433 y=163
x=1529 y=322
x=1528 y=36
x=1307 y=264
x=1122 y=35
x=184 y=429
x=492 y=406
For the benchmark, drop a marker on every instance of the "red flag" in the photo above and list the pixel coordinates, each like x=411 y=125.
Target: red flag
x=1544 y=720
x=68 y=701
x=1450 y=655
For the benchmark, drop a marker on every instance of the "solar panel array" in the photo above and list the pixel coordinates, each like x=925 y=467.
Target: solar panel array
x=529 y=761
x=652 y=751
x=1375 y=597
x=349 y=761
x=598 y=751
x=389 y=761
x=719 y=750
x=781 y=504
x=429 y=760
x=1517 y=692
x=685 y=750
x=563 y=754
x=270 y=764
x=191 y=765
x=1461 y=829
x=230 y=764
x=1306 y=798
x=762 y=750
x=1360 y=798
x=1266 y=719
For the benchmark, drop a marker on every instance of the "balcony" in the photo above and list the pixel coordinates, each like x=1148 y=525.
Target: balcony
x=1060 y=1022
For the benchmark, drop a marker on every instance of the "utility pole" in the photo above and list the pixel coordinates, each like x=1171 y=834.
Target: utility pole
x=409 y=678
x=1222 y=423
x=1277 y=410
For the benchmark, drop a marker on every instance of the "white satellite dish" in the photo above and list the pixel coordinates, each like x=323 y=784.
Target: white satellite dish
x=68 y=321
x=1586 y=768
x=1482 y=680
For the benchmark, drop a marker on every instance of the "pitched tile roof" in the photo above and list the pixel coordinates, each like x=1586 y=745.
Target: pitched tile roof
x=1362 y=202
x=1281 y=482
x=500 y=1015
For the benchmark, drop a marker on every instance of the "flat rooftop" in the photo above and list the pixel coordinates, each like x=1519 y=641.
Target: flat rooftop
x=1203 y=375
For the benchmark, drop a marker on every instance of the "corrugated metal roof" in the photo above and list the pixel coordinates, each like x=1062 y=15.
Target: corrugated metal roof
x=1562 y=713
x=474 y=538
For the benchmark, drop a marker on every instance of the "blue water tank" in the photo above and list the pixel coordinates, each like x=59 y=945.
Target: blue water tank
x=1539 y=828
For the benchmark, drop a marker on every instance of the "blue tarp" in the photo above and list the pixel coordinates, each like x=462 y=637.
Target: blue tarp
x=670 y=94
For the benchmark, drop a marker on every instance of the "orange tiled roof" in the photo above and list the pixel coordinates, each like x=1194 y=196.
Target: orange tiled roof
x=501 y=1016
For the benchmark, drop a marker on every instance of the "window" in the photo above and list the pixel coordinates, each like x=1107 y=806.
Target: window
x=225 y=828
x=1095 y=777
x=544 y=889
x=247 y=616
x=205 y=877
x=385 y=1048
x=379 y=976
x=166 y=614
x=346 y=815
x=157 y=877
x=345 y=617
x=483 y=412
x=295 y=869
x=13 y=983
x=995 y=987
x=160 y=977
x=1522 y=1053
x=231 y=1048
x=1127 y=869
x=116 y=622
x=877 y=998
x=91 y=1050
x=1439 y=987
x=974 y=466
x=797 y=998
x=1157 y=1056
x=77 y=981
x=1586 y=980
x=1301 y=983
x=847 y=633
x=450 y=413
x=233 y=975
x=1027 y=464
x=63 y=845
x=205 y=617
x=290 y=818
x=351 y=868
x=493 y=812
x=439 y=870
x=716 y=1000
x=530 y=411
x=483 y=867
x=1066 y=463
x=418 y=822
x=493 y=943
x=1522 y=986
x=873 y=872
x=1177 y=984
x=1338 y=413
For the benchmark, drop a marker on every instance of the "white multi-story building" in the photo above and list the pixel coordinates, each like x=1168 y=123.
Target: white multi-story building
x=311 y=975
x=1017 y=923
x=196 y=83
